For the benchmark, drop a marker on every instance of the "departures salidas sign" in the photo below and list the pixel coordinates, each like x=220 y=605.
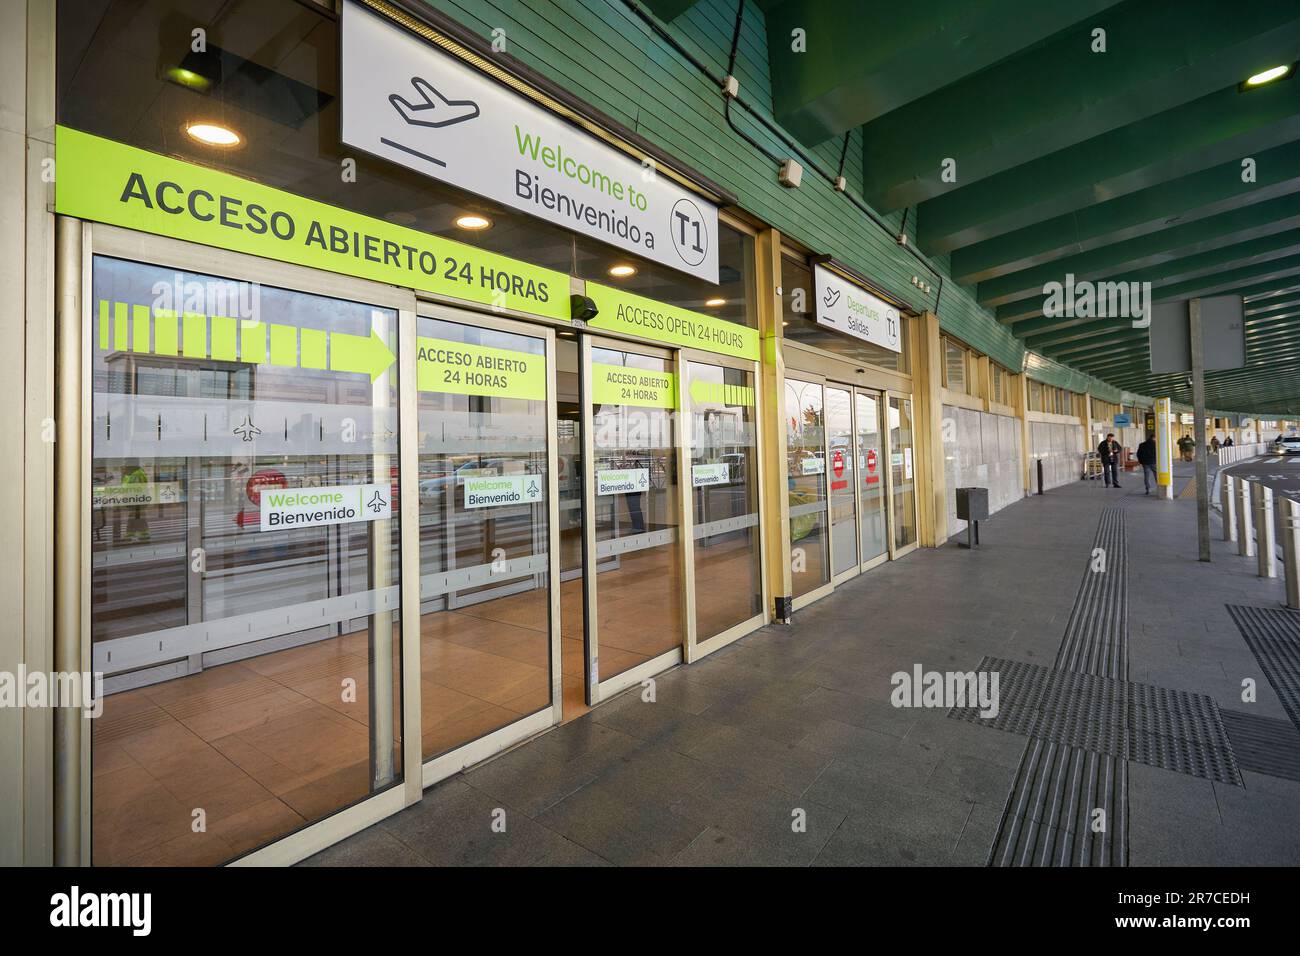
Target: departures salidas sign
x=850 y=309
x=409 y=102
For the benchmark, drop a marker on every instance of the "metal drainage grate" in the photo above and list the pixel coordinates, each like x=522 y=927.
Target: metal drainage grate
x=1169 y=729
x=1264 y=744
x=1273 y=636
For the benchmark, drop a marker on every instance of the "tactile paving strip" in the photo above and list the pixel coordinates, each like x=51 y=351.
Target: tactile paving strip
x=1170 y=729
x=1273 y=636
x=1264 y=744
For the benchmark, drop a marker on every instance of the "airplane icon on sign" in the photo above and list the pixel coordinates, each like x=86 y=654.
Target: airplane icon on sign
x=247 y=430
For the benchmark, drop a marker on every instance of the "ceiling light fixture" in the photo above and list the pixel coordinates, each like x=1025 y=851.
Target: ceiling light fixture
x=213 y=134
x=1268 y=76
x=715 y=302
x=622 y=271
x=472 y=221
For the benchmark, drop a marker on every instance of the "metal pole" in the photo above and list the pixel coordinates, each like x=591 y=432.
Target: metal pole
x=1291 y=550
x=68 y=721
x=1245 y=524
x=1262 y=496
x=1228 y=499
x=1198 y=409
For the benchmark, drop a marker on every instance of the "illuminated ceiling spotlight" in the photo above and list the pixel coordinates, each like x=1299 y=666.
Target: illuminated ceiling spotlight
x=622 y=271
x=213 y=134
x=1264 y=77
x=715 y=303
x=473 y=221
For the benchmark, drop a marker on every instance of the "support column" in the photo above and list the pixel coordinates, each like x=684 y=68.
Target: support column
x=927 y=397
x=775 y=502
x=1020 y=401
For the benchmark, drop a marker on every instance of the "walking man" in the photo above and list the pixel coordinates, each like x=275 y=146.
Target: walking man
x=1147 y=459
x=1108 y=452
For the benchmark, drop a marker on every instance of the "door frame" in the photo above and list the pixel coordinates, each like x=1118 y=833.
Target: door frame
x=856 y=569
x=819 y=592
x=597 y=689
x=880 y=398
x=695 y=647
x=896 y=552
x=115 y=242
x=444 y=765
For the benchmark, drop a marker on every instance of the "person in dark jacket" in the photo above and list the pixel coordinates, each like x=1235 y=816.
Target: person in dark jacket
x=1108 y=452
x=1147 y=459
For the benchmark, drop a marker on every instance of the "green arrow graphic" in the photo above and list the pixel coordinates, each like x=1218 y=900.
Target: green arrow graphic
x=720 y=393
x=360 y=353
x=124 y=327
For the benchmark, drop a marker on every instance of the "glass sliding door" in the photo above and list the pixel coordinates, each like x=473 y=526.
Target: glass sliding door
x=871 y=483
x=806 y=463
x=724 y=498
x=902 y=472
x=634 y=575
x=245 y=543
x=485 y=527
x=839 y=467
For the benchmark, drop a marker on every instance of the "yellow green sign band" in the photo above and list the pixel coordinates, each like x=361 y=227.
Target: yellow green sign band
x=617 y=385
x=629 y=314
x=105 y=181
x=443 y=366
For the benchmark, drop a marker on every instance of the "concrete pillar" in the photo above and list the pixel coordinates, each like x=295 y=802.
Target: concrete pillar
x=927 y=409
x=775 y=502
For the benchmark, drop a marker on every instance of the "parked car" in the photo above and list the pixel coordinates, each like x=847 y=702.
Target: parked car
x=1289 y=445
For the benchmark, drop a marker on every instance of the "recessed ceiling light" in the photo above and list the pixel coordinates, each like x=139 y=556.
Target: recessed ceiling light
x=622 y=270
x=715 y=302
x=213 y=134
x=1268 y=76
x=188 y=78
x=472 y=221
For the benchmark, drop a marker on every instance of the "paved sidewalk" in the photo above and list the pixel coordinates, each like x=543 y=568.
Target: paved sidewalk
x=794 y=724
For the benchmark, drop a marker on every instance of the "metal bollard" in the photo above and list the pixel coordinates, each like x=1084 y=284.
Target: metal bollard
x=1245 y=526
x=1291 y=550
x=1228 y=500
x=1262 y=497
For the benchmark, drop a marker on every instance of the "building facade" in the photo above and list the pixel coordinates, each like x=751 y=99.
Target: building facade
x=401 y=380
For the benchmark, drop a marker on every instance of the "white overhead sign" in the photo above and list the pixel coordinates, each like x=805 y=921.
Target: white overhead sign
x=847 y=308
x=409 y=102
x=309 y=507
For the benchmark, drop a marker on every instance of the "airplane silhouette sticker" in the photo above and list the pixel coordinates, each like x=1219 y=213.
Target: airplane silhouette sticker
x=431 y=110
x=377 y=504
x=247 y=430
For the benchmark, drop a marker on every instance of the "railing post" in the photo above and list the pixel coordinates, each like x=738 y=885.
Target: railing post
x=1262 y=498
x=1245 y=527
x=1228 y=500
x=1291 y=550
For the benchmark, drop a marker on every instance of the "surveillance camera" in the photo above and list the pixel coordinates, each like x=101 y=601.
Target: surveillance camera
x=582 y=308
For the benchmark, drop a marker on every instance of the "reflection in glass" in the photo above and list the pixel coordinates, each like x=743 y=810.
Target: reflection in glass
x=639 y=584
x=724 y=477
x=903 y=471
x=806 y=463
x=839 y=435
x=871 y=469
x=244 y=561
x=484 y=580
